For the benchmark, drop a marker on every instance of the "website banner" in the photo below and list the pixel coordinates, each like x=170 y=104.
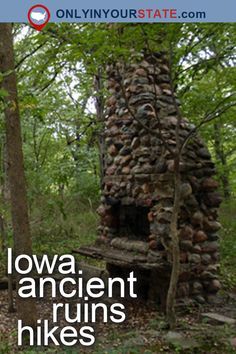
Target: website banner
x=121 y=11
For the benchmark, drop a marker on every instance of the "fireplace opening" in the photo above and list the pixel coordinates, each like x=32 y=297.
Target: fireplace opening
x=133 y=222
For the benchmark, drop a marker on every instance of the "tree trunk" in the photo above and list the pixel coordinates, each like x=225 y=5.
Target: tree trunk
x=220 y=155
x=175 y=250
x=100 y=117
x=3 y=240
x=26 y=308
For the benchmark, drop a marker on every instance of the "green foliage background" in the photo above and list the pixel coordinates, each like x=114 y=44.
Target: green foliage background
x=56 y=70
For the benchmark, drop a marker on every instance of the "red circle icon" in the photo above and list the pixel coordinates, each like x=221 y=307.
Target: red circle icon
x=38 y=16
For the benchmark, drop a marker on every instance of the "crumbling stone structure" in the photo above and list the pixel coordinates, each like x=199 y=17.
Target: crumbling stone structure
x=138 y=186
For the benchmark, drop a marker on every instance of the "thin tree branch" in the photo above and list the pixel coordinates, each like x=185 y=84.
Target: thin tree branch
x=29 y=55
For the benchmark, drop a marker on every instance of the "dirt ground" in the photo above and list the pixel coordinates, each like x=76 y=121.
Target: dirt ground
x=143 y=331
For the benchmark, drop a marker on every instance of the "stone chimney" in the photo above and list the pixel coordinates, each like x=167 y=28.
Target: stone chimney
x=138 y=185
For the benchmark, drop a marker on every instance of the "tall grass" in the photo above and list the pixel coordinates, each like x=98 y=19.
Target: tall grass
x=228 y=243
x=59 y=225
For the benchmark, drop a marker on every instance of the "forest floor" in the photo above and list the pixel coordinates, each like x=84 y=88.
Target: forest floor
x=144 y=330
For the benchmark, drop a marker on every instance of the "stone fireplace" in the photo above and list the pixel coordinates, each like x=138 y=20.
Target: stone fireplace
x=138 y=186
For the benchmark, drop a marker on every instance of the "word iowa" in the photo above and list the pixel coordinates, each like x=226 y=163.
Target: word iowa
x=24 y=264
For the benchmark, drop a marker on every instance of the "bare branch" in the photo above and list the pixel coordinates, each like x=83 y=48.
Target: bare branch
x=208 y=118
x=29 y=55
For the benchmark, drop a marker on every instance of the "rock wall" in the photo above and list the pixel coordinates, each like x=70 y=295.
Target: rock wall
x=139 y=174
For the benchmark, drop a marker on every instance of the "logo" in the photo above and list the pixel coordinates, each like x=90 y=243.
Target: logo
x=38 y=16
